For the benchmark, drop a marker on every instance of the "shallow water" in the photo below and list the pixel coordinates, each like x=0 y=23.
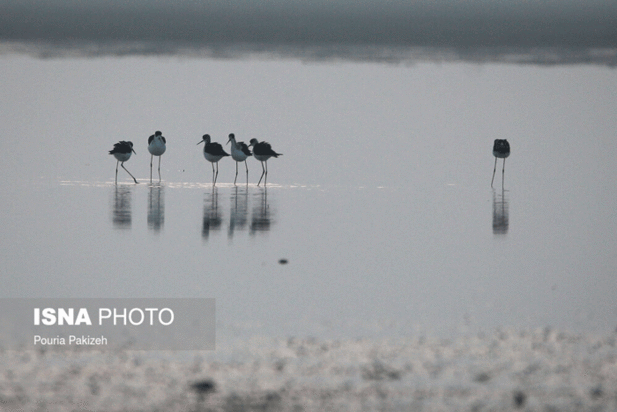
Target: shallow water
x=361 y=261
x=381 y=207
x=381 y=202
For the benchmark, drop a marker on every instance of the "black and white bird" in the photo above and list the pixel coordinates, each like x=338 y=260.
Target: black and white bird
x=122 y=152
x=156 y=147
x=213 y=152
x=501 y=150
x=262 y=151
x=239 y=152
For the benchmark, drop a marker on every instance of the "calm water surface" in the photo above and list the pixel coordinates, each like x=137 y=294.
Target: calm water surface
x=361 y=261
x=381 y=204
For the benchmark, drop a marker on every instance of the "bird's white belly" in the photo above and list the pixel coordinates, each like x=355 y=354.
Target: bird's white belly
x=501 y=155
x=123 y=157
x=261 y=158
x=238 y=155
x=212 y=158
x=157 y=148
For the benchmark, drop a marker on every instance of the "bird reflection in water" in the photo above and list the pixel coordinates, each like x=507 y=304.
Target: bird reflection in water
x=212 y=216
x=261 y=216
x=501 y=219
x=156 y=207
x=239 y=210
x=121 y=210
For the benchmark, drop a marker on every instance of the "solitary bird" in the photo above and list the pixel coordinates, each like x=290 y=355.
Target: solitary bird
x=501 y=150
x=156 y=147
x=213 y=152
x=239 y=152
x=262 y=152
x=122 y=152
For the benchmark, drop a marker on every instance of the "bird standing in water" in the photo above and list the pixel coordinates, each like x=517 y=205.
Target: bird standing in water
x=501 y=150
x=262 y=152
x=213 y=152
x=156 y=147
x=122 y=152
x=239 y=152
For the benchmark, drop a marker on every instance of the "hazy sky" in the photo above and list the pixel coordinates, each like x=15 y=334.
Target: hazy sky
x=313 y=29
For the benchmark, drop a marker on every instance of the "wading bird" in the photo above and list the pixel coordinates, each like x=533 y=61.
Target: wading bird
x=122 y=152
x=262 y=152
x=156 y=147
x=239 y=152
x=501 y=150
x=213 y=152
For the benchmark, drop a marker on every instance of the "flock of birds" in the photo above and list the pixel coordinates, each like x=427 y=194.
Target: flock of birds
x=213 y=152
x=262 y=151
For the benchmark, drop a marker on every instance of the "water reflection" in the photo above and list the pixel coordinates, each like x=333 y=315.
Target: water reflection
x=212 y=217
x=121 y=211
x=261 y=216
x=239 y=210
x=156 y=207
x=501 y=219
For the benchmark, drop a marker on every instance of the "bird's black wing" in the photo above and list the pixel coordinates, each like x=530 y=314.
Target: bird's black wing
x=215 y=149
x=121 y=147
x=245 y=149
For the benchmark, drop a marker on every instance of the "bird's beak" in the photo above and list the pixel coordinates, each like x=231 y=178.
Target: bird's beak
x=228 y=141
x=134 y=151
x=200 y=142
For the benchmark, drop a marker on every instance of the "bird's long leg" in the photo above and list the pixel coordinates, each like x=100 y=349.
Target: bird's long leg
x=117 y=163
x=495 y=167
x=151 y=157
x=236 y=178
x=247 y=172
x=215 y=175
x=502 y=171
x=122 y=164
x=266 y=177
x=263 y=171
x=159 y=168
